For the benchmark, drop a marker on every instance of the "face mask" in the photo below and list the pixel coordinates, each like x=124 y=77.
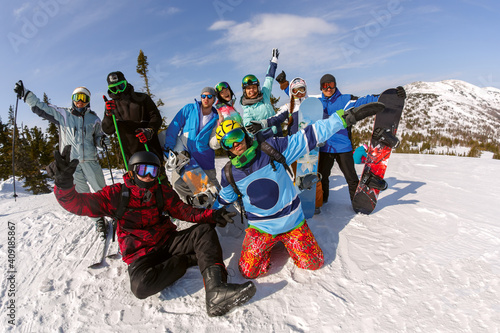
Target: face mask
x=246 y=157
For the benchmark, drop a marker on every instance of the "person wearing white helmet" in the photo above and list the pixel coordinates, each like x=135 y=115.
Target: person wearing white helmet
x=79 y=127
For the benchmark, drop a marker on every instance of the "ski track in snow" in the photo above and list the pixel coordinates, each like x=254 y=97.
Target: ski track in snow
x=426 y=260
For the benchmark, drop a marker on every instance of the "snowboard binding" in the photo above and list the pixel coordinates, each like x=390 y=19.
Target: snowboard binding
x=202 y=200
x=306 y=182
x=374 y=182
x=176 y=161
x=385 y=137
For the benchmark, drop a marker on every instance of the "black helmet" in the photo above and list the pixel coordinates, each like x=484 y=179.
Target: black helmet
x=144 y=157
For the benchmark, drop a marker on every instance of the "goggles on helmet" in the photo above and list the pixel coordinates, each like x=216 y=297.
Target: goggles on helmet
x=143 y=170
x=118 y=87
x=80 y=97
x=249 y=80
x=227 y=141
x=298 y=90
x=221 y=85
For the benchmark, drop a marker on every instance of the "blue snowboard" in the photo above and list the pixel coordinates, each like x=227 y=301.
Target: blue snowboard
x=310 y=111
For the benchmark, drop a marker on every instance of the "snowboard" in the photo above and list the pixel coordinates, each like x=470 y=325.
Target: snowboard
x=382 y=142
x=204 y=190
x=229 y=112
x=307 y=175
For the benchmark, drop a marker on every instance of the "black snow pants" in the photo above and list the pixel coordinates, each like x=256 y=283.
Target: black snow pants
x=346 y=165
x=155 y=271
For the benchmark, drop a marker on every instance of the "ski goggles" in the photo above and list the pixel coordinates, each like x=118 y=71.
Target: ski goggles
x=206 y=96
x=327 y=85
x=221 y=86
x=299 y=90
x=80 y=97
x=227 y=142
x=143 y=170
x=118 y=87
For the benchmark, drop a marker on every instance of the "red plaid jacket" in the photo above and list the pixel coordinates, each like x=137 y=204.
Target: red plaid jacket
x=142 y=229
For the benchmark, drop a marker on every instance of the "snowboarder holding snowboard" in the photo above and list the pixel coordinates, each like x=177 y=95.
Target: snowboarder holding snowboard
x=269 y=197
x=193 y=128
x=225 y=102
x=156 y=253
x=256 y=102
x=137 y=117
x=79 y=127
x=339 y=147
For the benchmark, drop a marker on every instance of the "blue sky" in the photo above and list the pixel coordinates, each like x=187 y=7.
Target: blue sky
x=55 y=46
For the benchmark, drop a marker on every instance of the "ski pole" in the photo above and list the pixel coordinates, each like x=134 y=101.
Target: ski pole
x=109 y=163
x=118 y=136
x=14 y=148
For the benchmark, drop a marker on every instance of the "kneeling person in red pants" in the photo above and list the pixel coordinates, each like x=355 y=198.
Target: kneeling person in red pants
x=157 y=254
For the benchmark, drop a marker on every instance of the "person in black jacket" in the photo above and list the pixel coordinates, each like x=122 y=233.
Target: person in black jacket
x=137 y=117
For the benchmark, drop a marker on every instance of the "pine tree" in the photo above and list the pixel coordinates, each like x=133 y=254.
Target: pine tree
x=142 y=70
x=5 y=151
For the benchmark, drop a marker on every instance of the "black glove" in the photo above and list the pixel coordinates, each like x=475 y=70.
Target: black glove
x=20 y=90
x=281 y=77
x=144 y=134
x=105 y=142
x=254 y=126
x=62 y=169
x=222 y=217
x=401 y=92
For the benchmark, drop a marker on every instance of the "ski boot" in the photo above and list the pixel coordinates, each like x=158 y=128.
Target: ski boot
x=385 y=137
x=221 y=296
x=306 y=182
x=101 y=227
x=374 y=181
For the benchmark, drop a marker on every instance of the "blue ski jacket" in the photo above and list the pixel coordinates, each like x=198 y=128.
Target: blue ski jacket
x=340 y=142
x=270 y=197
x=187 y=123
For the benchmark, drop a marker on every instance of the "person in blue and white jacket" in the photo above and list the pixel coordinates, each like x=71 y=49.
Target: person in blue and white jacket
x=256 y=102
x=269 y=197
x=79 y=127
x=192 y=133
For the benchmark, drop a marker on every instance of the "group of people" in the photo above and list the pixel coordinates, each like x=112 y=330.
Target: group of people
x=156 y=253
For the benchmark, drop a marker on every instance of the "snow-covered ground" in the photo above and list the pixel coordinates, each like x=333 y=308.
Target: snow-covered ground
x=426 y=260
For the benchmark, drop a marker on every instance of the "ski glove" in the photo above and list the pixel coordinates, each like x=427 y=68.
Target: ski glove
x=222 y=217
x=276 y=54
x=62 y=169
x=20 y=90
x=144 y=134
x=401 y=92
x=281 y=77
x=105 y=142
x=110 y=107
x=256 y=126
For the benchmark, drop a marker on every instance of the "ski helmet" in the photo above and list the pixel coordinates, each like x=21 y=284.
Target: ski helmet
x=81 y=94
x=222 y=85
x=225 y=127
x=249 y=80
x=297 y=83
x=144 y=157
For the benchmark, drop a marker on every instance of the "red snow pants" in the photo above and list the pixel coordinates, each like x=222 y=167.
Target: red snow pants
x=300 y=244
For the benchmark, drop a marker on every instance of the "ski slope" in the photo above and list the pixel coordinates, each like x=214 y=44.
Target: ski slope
x=426 y=260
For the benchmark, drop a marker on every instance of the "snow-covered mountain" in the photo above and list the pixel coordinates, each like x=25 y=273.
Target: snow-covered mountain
x=448 y=113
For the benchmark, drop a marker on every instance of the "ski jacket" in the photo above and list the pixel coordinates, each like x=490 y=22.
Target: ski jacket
x=185 y=129
x=141 y=229
x=284 y=114
x=262 y=109
x=82 y=131
x=270 y=198
x=359 y=155
x=134 y=110
x=341 y=142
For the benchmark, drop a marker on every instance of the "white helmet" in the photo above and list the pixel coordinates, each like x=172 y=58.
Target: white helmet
x=297 y=83
x=82 y=90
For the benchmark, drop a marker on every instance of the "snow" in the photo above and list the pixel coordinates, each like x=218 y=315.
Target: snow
x=426 y=260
